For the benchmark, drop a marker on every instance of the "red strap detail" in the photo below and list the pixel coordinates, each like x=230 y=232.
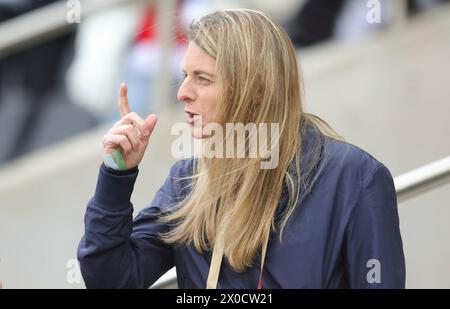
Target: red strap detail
x=260 y=282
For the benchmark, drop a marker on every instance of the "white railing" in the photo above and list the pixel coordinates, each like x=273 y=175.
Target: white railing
x=422 y=179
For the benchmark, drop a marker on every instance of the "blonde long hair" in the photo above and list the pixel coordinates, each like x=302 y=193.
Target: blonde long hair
x=258 y=82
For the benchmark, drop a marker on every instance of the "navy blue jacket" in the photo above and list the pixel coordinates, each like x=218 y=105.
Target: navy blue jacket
x=343 y=234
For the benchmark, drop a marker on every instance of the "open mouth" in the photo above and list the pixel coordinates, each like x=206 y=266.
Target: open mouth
x=192 y=117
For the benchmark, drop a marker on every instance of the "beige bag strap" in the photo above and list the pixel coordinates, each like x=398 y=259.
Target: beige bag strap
x=263 y=258
x=216 y=261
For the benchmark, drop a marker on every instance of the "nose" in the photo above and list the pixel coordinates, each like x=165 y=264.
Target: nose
x=185 y=92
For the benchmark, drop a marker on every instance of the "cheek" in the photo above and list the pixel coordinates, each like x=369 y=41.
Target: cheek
x=209 y=104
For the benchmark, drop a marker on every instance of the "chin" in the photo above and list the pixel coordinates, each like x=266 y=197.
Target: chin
x=197 y=133
x=197 y=129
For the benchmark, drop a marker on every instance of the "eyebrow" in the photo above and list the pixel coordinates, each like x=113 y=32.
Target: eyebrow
x=199 y=72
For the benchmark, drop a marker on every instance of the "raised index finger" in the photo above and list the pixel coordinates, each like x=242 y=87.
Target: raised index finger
x=124 y=107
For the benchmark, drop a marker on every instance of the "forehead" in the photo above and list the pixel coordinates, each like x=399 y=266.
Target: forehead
x=196 y=59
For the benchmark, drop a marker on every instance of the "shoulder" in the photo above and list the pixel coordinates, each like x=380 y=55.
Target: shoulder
x=350 y=161
x=179 y=178
x=182 y=168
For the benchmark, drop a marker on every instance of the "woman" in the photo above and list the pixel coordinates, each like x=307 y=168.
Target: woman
x=324 y=217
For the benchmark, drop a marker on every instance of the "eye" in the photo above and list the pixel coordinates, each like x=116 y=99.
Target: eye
x=204 y=80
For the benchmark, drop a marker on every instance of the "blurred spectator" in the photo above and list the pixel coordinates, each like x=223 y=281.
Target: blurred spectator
x=13 y=8
x=132 y=56
x=319 y=20
x=417 y=6
x=314 y=22
x=29 y=80
x=102 y=41
x=142 y=61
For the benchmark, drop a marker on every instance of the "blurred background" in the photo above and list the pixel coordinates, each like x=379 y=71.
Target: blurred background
x=377 y=71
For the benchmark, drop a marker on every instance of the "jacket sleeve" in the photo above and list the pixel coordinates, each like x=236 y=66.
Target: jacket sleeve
x=374 y=250
x=116 y=252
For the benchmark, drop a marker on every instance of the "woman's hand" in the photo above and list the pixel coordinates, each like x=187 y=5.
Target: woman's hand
x=130 y=134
